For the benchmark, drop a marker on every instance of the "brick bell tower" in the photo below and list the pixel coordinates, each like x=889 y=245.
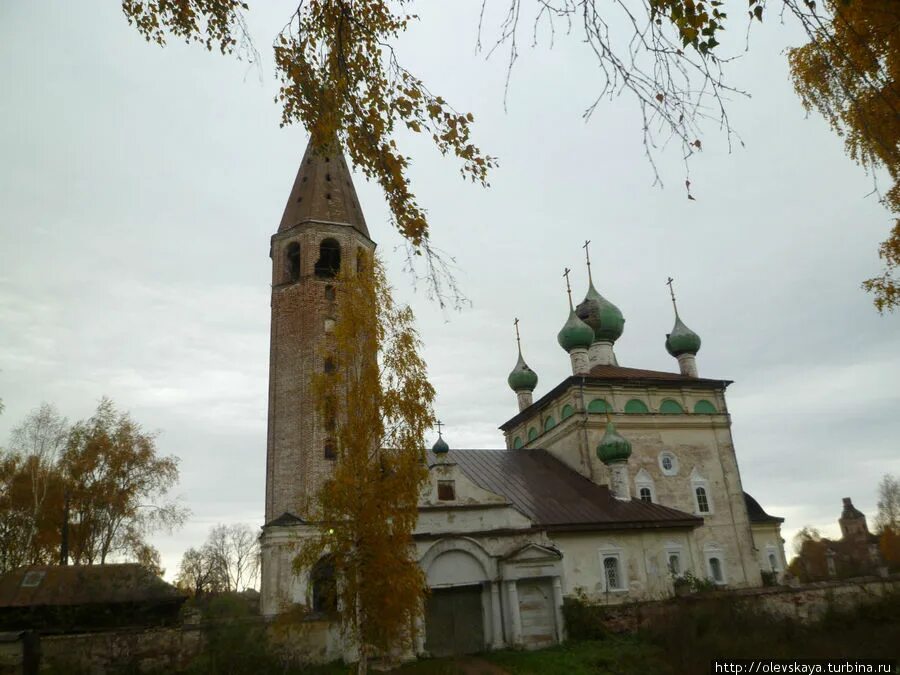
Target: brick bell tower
x=322 y=232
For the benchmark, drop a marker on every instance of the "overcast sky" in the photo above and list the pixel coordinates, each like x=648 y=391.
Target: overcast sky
x=139 y=187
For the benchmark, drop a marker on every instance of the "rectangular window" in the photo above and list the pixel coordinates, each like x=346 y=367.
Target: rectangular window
x=674 y=564
x=446 y=490
x=646 y=494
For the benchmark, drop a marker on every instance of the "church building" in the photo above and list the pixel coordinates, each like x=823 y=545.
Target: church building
x=613 y=485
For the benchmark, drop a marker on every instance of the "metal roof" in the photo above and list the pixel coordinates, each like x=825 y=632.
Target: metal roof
x=556 y=497
x=54 y=585
x=757 y=514
x=323 y=191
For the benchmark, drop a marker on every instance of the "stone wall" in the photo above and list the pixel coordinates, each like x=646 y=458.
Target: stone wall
x=805 y=604
x=168 y=650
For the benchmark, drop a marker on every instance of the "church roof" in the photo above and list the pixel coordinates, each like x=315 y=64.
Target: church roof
x=757 y=514
x=557 y=497
x=323 y=191
x=285 y=519
x=615 y=375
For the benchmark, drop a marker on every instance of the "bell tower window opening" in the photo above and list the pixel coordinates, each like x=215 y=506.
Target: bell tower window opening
x=360 y=261
x=329 y=262
x=292 y=262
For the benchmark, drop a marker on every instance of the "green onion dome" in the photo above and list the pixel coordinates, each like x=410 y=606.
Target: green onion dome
x=522 y=378
x=440 y=446
x=575 y=333
x=612 y=447
x=601 y=315
x=682 y=340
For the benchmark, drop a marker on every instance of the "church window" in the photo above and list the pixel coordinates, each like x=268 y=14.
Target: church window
x=643 y=483
x=292 y=262
x=598 y=405
x=446 y=490
x=328 y=195
x=329 y=262
x=636 y=406
x=567 y=412
x=329 y=293
x=549 y=423
x=674 y=564
x=328 y=365
x=329 y=451
x=532 y=434
x=668 y=463
x=328 y=177
x=704 y=407
x=702 y=501
x=360 y=261
x=517 y=442
x=324 y=586
x=671 y=407
x=612 y=573
x=715 y=570
x=773 y=562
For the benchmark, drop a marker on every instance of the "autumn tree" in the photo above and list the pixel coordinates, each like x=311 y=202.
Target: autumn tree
x=888 y=515
x=227 y=561
x=235 y=549
x=117 y=486
x=31 y=490
x=365 y=513
x=850 y=73
x=200 y=572
x=38 y=441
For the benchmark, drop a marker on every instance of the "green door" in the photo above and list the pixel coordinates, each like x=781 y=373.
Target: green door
x=454 y=623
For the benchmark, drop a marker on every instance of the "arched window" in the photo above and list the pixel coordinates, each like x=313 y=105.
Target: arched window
x=704 y=407
x=532 y=434
x=702 y=500
x=773 y=562
x=636 y=406
x=517 y=442
x=567 y=412
x=598 y=405
x=549 y=423
x=329 y=262
x=324 y=586
x=715 y=570
x=612 y=573
x=328 y=365
x=670 y=407
x=292 y=262
x=328 y=450
x=329 y=293
x=646 y=495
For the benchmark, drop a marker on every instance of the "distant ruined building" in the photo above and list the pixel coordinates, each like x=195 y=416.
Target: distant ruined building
x=855 y=554
x=614 y=483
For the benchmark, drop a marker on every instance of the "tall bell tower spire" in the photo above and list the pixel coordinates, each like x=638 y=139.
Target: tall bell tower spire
x=322 y=233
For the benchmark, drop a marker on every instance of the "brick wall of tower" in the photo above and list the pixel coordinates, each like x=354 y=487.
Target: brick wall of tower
x=296 y=462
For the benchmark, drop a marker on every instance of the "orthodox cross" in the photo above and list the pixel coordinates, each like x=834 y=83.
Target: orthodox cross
x=439 y=424
x=587 y=255
x=672 y=293
x=518 y=340
x=568 y=287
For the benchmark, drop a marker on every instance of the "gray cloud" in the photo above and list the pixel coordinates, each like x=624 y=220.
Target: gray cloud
x=140 y=187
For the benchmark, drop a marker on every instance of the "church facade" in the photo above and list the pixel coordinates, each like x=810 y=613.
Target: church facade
x=613 y=485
